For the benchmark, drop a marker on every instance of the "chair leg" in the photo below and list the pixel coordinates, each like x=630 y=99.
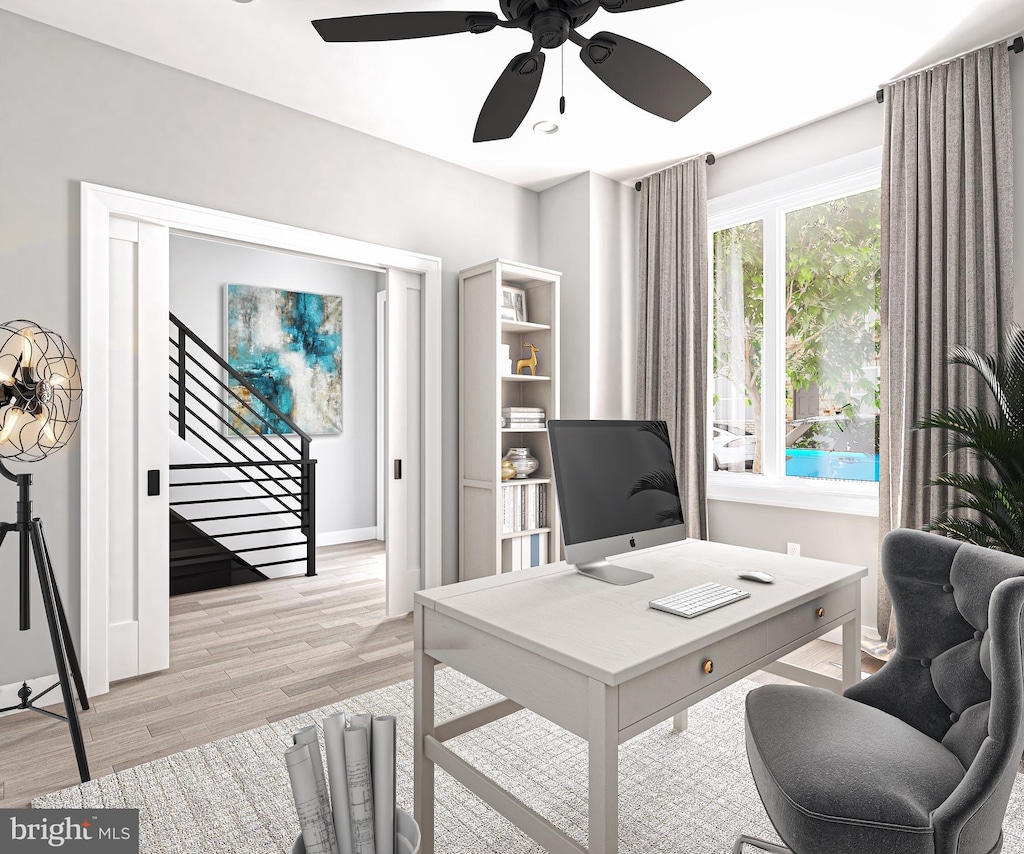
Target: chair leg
x=737 y=847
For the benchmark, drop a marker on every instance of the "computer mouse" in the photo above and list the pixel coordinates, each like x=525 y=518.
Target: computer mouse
x=754 y=575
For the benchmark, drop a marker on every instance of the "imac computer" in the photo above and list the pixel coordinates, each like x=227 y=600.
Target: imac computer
x=617 y=491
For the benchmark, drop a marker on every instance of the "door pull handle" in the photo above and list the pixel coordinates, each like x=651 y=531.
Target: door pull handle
x=398 y=469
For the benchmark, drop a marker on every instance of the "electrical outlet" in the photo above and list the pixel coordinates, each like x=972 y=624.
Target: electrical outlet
x=793 y=549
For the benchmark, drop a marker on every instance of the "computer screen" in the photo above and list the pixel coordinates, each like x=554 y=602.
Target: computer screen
x=617 y=488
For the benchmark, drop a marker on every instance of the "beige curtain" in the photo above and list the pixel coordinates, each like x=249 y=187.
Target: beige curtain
x=947 y=268
x=672 y=335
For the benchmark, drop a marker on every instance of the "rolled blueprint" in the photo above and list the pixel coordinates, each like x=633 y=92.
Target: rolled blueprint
x=317 y=829
x=308 y=736
x=382 y=769
x=334 y=742
x=360 y=791
x=363 y=722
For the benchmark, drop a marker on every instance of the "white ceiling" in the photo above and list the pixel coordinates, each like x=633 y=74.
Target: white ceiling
x=771 y=66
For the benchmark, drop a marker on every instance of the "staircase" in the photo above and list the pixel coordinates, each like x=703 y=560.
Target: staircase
x=243 y=485
x=199 y=562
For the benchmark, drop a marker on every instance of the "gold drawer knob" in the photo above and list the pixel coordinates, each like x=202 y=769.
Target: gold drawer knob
x=709 y=666
x=820 y=613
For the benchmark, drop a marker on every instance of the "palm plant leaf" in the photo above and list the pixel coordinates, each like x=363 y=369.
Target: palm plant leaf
x=963 y=529
x=662 y=480
x=656 y=428
x=987 y=510
x=671 y=516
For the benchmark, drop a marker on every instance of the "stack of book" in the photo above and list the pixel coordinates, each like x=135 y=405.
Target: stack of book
x=522 y=417
x=523 y=506
x=524 y=552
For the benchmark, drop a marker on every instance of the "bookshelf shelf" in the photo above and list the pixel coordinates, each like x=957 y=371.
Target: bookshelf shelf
x=484 y=390
x=520 y=326
x=518 y=534
x=521 y=481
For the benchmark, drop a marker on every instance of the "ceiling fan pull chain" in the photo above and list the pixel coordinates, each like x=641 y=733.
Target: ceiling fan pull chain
x=561 y=101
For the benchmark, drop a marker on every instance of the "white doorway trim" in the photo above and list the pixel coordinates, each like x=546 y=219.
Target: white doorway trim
x=98 y=205
x=382 y=480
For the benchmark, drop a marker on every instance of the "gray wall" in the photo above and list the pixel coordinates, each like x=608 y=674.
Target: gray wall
x=565 y=246
x=588 y=232
x=74 y=110
x=346 y=483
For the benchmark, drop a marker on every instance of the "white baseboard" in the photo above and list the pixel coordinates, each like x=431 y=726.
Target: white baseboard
x=354 y=535
x=9 y=693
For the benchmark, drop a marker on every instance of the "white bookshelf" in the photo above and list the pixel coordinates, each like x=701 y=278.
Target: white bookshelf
x=484 y=389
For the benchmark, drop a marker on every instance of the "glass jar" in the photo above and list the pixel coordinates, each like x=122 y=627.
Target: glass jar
x=524 y=463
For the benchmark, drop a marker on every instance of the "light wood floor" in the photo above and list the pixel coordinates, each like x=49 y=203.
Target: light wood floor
x=242 y=657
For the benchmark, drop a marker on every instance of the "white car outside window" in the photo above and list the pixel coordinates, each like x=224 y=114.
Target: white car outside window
x=732 y=451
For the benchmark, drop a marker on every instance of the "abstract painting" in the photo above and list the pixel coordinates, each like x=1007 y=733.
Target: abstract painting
x=287 y=344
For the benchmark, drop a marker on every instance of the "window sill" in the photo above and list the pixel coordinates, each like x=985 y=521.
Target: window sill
x=856 y=499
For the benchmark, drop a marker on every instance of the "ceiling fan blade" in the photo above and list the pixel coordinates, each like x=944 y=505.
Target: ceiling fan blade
x=511 y=98
x=403 y=25
x=633 y=5
x=643 y=76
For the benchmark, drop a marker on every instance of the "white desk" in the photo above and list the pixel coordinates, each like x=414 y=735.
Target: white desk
x=594 y=659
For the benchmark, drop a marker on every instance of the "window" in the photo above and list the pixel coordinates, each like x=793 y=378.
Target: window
x=795 y=334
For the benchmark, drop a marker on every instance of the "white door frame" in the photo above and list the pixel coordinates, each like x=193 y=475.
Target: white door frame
x=98 y=205
x=382 y=480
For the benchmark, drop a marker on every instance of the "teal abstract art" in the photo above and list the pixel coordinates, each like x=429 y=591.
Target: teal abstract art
x=287 y=345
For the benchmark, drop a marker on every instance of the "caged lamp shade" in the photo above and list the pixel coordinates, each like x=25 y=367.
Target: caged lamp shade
x=40 y=392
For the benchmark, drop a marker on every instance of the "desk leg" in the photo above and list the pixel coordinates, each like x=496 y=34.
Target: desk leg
x=851 y=647
x=423 y=725
x=604 y=769
x=681 y=720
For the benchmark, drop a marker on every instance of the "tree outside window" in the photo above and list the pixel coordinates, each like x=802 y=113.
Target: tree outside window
x=829 y=284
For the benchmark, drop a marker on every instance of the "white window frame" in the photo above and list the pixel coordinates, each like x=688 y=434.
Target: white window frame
x=770 y=202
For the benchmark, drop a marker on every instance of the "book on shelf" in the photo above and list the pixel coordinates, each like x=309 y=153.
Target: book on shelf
x=524 y=552
x=524 y=507
x=522 y=410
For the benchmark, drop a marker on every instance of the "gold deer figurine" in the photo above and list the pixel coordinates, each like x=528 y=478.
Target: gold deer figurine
x=530 y=363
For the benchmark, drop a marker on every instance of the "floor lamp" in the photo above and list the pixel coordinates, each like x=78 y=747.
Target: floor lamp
x=40 y=405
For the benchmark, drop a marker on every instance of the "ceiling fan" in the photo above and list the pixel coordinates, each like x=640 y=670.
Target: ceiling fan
x=638 y=73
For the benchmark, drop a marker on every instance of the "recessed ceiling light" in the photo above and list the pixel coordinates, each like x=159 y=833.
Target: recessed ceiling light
x=546 y=127
x=243 y=1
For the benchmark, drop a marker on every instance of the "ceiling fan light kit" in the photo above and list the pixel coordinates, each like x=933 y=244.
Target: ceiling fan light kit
x=641 y=75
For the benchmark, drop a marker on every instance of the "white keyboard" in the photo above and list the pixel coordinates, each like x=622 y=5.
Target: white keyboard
x=698 y=600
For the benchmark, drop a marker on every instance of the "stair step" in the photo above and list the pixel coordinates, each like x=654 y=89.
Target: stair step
x=199 y=561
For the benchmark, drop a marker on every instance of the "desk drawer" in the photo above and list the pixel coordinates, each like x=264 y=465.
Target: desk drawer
x=658 y=688
x=804 y=619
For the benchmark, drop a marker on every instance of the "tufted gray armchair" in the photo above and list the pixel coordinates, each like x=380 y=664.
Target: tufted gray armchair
x=921 y=757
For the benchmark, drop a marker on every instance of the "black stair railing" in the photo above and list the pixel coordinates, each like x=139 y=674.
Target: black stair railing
x=210 y=401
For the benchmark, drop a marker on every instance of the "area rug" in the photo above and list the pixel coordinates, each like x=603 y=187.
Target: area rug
x=688 y=792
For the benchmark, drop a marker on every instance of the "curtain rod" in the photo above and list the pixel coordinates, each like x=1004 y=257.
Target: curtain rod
x=710 y=160
x=1016 y=46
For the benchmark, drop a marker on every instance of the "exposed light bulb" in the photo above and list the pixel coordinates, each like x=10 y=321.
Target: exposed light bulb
x=26 y=348
x=46 y=428
x=13 y=416
x=56 y=379
x=6 y=379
